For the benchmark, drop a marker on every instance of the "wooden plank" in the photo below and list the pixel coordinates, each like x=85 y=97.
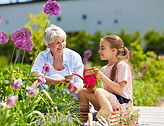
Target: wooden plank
x=151 y=116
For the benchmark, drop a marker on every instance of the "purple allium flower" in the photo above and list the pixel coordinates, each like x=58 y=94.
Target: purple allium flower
x=32 y=91
x=11 y=101
x=130 y=53
x=21 y=39
x=18 y=35
x=143 y=68
x=52 y=8
x=46 y=67
x=41 y=80
x=27 y=33
x=3 y=38
x=18 y=43
x=16 y=84
x=161 y=55
x=71 y=86
x=87 y=53
x=85 y=60
x=27 y=45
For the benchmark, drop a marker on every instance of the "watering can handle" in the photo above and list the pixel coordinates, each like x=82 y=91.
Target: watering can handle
x=87 y=70
x=78 y=76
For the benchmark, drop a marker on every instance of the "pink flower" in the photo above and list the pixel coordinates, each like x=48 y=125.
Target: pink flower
x=87 y=53
x=85 y=60
x=52 y=8
x=71 y=86
x=130 y=53
x=139 y=75
x=32 y=91
x=11 y=101
x=46 y=67
x=127 y=114
x=3 y=38
x=16 y=84
x=85 y=69
x=41 y=80
x=143 y=68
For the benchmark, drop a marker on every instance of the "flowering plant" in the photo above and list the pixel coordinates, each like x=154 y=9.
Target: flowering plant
x=21 y=102
x=54 y=117
x=87 y=54
x=127 y=115
x=21 y=39
x=46 y=67
x=52 y=8
x=3 y=38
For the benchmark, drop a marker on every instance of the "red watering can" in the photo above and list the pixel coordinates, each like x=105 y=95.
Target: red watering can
x=89 y=80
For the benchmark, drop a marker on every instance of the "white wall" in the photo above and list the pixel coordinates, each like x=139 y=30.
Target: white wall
x=131 y=15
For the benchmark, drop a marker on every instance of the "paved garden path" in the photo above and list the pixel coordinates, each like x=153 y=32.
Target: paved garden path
x=151 y=116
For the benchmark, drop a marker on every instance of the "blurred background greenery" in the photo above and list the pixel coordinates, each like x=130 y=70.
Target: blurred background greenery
x=148 y=65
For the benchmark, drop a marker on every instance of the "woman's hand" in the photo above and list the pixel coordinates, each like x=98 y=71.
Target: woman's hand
x=98 y=73
x=76 y=89
x=59 y=82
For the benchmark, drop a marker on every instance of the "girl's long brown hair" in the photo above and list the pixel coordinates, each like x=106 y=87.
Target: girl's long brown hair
x=122 y=52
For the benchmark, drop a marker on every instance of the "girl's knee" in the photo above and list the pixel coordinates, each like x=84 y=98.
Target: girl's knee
x=101 y=92
x=98 y=91
x=82 y=93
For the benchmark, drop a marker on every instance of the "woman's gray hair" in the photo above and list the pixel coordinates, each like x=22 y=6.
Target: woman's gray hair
x=51 y=32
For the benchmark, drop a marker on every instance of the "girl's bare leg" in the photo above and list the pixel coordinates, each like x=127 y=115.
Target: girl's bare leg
x=102 y=97
x=84 y=98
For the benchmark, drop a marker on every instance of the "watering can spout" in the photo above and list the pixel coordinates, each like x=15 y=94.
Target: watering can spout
x=78 y=76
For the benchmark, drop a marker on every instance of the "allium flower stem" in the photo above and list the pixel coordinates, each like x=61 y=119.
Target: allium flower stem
x=17 y=54
x=12 y=56
x=40 y=43
x=24 y=52
x=42 y=36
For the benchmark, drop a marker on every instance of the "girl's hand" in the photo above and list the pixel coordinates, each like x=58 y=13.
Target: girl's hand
x=90 y=89
x=98 y=73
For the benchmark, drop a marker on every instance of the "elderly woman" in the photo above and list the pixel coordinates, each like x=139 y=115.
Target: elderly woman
x=63 y=61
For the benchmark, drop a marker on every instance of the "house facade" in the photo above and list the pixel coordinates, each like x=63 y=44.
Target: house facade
x=91 y=15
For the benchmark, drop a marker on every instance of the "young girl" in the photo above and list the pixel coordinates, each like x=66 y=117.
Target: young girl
x=116 y=78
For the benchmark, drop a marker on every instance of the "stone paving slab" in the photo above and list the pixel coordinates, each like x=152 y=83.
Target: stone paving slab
x=151 y=116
